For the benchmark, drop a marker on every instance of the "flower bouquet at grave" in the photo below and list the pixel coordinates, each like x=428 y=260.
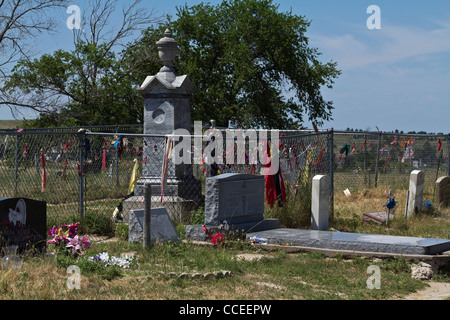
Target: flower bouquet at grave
x=65 y=239
x=105 y=260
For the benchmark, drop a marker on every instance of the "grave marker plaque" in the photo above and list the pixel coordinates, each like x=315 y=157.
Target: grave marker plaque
x=235 y=198
x=233 y=202
x=162 y=229
x=23 y=222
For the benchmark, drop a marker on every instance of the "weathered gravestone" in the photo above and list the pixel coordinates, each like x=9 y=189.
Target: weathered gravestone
x=166 y=110
x=320 y=202
x=162 y=229
x=233 y=201
x=443 y=191
x=415 y=198
x=23 y=222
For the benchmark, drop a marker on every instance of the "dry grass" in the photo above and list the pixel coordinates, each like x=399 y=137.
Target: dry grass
x=430 y=223
x=10 y=124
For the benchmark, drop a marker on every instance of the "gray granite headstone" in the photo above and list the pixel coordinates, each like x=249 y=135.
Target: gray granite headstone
x=235 y=198
x=236 y=201
x=162 y=229
x=416 y=184
x=443 y=191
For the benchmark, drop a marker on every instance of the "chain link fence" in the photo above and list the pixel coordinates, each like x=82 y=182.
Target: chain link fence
x=369 y=160
x=89 y=173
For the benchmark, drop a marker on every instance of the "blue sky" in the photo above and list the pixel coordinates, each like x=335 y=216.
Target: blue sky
x=395 y=77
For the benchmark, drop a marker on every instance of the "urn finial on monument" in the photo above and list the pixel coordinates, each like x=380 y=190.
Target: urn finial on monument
x=167 y=49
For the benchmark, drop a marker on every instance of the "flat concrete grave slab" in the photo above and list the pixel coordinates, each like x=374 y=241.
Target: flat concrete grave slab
x=354 y=241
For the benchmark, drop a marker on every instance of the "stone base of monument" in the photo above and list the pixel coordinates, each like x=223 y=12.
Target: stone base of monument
x=196 y=232
x=353 y=241
x=181 y=197
x=179 y=209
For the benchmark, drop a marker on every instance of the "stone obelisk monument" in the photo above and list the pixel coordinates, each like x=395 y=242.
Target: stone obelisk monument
x=167 y=108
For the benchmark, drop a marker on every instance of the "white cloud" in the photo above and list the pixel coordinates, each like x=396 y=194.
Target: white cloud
x=389 y=45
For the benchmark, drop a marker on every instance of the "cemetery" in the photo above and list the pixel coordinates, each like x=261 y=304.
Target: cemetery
x=239 y=209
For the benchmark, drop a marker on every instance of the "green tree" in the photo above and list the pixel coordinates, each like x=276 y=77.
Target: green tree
x=72 y=93
x=249 y=62
x=90 y=84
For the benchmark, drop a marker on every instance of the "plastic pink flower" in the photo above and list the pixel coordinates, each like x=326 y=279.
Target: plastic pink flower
x=217 y=239
x=85 y=243
x=73 y=229
x=75 y=244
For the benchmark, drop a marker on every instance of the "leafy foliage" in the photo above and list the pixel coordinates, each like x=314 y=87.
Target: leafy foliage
x=242 y=55
x=85 y=86
x=249 y=63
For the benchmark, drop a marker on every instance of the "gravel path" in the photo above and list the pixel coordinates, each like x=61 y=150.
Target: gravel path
x=435 y=291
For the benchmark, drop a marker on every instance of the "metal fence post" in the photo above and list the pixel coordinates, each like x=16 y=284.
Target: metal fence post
x=117 y=158
x=147 y=215
x=16 y=165
x=376 y=160
x=331 y=173
x=364 y=164
x=81 y=135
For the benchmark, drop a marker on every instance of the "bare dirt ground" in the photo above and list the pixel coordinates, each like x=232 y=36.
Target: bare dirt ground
x=435 y=291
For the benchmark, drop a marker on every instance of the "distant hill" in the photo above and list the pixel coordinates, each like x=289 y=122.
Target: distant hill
x=10 y=124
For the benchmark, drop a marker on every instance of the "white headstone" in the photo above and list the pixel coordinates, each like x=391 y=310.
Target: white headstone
x=443 y=191
x=416 y=183
x=320 y=202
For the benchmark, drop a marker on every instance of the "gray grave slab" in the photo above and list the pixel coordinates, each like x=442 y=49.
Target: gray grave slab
x=354 y=241
x=162 y=228
x=196 y=232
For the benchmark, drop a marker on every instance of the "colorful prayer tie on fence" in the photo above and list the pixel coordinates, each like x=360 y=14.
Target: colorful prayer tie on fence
x=44 y=175
x=104 y=156
x=274 y=184
x=167 y=153
x=133 y=180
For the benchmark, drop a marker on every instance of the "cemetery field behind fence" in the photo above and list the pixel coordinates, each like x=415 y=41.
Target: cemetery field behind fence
x=88 y=172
